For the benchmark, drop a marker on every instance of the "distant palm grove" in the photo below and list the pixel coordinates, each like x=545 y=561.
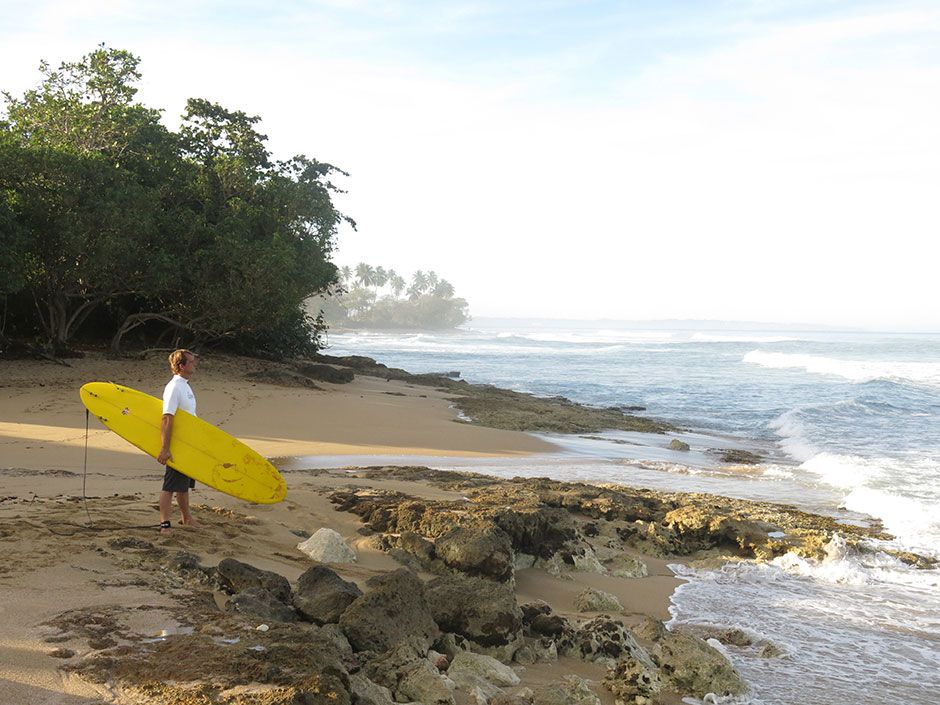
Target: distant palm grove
x=375 y=297
x=116 y=231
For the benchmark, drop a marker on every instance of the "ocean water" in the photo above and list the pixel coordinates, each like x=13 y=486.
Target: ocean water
x=848 y=424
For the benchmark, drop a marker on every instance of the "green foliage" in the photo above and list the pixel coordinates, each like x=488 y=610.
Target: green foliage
x=429 y=301
x=201 y=233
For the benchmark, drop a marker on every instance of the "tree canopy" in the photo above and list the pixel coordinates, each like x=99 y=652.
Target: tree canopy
x=112 y=226
x=372 y=297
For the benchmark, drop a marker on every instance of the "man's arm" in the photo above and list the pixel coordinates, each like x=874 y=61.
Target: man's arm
x=166 y=431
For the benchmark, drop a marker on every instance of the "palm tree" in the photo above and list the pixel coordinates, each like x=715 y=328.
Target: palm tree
x=444 y=289
x=365 y=274
x=380 y=276
x=419 y=284
x=345 y=273
x=398 y=284
x=432 y=280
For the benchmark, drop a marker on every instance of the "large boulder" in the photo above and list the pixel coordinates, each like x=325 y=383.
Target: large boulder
x=477 y=609
x=322 y=596
x=365 y=692
x=593 y=600
x=327 y=546
x=394 y=609
x=467 y=667
x=633 y=681
x=689 y=663
x=235 y=576
x=410 y=676
x=485 y=551
x=603 y=640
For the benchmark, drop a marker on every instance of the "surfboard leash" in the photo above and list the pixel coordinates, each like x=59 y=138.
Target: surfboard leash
x=88 y=526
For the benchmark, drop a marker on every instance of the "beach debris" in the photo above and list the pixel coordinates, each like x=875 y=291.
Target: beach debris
x=262 y=627
x=593 y=600
x=327 y=546
x=322 y=596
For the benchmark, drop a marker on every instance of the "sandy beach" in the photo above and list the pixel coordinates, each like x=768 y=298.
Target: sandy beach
x=52 y=563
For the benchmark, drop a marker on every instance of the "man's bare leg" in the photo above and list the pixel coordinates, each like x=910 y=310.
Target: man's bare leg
x=166 y=498
x=182 y=499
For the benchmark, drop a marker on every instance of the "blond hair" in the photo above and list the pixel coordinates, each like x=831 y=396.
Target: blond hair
x=178 y=359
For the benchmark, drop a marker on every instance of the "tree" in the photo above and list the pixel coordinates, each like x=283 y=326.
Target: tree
x=398 y=284
x=199 y=233
x=82 y=157
x=259 y=237
x=365 y=274
x=419 y=284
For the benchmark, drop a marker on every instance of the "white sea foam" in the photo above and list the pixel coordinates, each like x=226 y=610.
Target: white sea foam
x=830 y=618
x=902 y=494
x=924 y=373
x=793 y=435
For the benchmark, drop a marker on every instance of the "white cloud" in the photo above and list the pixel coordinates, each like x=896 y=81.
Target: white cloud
x=786 y=172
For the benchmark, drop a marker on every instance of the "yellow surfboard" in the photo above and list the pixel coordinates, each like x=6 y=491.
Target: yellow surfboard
x=200 y=450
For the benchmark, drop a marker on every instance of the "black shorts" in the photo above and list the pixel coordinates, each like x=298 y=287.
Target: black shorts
x=175 y=481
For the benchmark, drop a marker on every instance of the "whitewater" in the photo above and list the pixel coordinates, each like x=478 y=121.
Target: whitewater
x=847 y=423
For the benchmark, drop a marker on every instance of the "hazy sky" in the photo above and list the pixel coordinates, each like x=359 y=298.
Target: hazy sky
x=737 y=159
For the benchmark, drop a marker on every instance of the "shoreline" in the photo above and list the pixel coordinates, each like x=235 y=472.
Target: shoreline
x=41 y=446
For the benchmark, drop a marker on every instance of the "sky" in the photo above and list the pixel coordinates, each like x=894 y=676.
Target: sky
x=758 y=160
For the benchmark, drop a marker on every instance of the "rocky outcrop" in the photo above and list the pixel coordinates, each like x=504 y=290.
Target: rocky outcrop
x=701 y=528
x=259 y=594
x=394 y=609
x=325 y=373
x=235 y=576
x=570 y=690
x=539 y=621
x=261 y=605
x=592 y=600
x=410 y=676
x=485 y=551
x=676 y=444
x=689 y=663
x=322 y=596
x=482 y=611
x=603 y=640
x=506 y=409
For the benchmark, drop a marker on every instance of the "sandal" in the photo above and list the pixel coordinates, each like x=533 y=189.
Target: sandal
x=164 y=526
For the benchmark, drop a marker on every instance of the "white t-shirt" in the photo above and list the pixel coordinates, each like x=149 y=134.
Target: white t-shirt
x=178 y=395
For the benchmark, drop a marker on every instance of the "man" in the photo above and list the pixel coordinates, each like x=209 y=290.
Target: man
x=177 y=395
